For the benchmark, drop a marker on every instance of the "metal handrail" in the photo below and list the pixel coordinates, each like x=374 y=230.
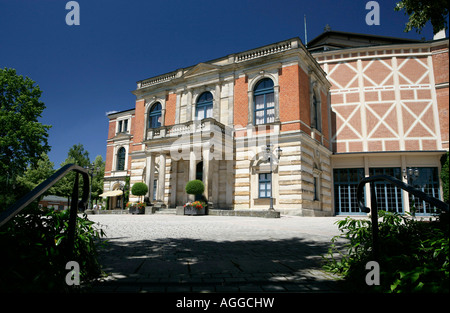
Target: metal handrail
x=14 y=209
x=373 y=201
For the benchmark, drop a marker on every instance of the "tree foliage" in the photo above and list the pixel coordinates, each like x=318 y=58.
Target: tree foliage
x=413 y=255
x=34 y=252
x=420 y=12
x=23 y=138
x=97 y=179
x=139 y=189
x=35 y=175
x=195 y=187
x=76 y=155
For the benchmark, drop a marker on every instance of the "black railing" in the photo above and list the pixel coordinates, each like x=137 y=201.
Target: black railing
x=13 y=210
x=374 y=207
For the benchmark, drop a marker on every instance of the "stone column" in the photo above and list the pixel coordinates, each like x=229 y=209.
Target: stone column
x=150 y=175
x=206 y=172
x=192 y=166
x=250 y=107
x=276 y=90
x=162 y=177
x=229 y=185
x=214 y=182
x=173 y=180
x=216 y=103
x=178 y=107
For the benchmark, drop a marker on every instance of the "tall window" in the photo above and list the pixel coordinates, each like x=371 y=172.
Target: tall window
x=345 y=185
x=265 y=186
x=204 y=107
x=428 y=182
x=264 y=102
x=123 y=126
x=121 y=159
x=316 y=189
x=389 y=197
x=315 y=113
x=154 y=116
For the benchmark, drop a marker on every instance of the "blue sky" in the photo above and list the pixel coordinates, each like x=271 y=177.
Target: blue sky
x=87 y=70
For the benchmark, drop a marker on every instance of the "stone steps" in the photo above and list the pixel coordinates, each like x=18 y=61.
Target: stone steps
x=166 y=211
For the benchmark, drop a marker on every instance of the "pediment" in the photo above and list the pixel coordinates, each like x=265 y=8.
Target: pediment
x=201 y=68
x=122 y=136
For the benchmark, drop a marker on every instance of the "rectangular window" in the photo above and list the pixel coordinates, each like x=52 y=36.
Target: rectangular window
x=389 y=197
x=316 y=191
x=426 y=179
x=345 y=185
x=125 y=126
x=265 y=186
x=119 y=129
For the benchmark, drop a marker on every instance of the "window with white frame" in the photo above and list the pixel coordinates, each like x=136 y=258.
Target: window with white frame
x=204 y=106
x=426 y=179
x=264 y=100
x=346 y=182
x=121 y=153
x=265 y=185
x=389 y=196
x=315 y=112
x=154 y=115
x=122 y=126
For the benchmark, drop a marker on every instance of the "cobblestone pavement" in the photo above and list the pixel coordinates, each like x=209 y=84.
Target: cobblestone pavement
x=171 y=253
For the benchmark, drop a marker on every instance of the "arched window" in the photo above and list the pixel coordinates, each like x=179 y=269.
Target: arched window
x=121 y=159
x=154 y=116
x=315 y=113
x=264 y=102
x=204 y=107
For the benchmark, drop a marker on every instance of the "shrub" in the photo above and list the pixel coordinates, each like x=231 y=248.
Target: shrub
x=195 y=187
x=139 y=189
x=34 y=253
x=413 y=255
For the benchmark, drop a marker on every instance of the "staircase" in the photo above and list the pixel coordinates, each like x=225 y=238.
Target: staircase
x=171 y=211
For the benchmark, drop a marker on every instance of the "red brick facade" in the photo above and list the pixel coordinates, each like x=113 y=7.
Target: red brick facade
x=389 y=100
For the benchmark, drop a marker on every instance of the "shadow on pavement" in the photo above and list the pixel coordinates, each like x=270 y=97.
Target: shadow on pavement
x=192 y=265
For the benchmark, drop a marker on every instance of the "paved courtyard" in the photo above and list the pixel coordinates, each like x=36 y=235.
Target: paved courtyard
x=171 y=253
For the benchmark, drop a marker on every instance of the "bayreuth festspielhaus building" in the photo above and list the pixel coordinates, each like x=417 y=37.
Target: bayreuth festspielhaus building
x=301 y=125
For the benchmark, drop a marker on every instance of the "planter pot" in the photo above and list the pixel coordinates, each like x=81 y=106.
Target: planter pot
x=189 y=210
x=136 y=210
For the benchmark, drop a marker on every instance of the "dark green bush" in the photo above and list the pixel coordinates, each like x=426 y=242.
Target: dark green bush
x=139 y=189
x=34 y=253
x=195 y=187
x=413 y=255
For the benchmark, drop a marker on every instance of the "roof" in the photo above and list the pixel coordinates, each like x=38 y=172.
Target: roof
x=110 y=115
x=53 y=198
x=334 y=40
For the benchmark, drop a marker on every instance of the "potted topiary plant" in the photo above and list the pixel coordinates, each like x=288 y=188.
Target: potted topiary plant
x=140 y=190
x=198 y=207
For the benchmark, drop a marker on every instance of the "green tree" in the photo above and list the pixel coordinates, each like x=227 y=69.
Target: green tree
x=97 y=179
x=34 y=175
x=139 y=189
x=22 y=137
x=79 y=156
x=64 y=186
x=421 y=11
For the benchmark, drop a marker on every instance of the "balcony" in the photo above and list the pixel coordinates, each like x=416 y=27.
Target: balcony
x=206 y=128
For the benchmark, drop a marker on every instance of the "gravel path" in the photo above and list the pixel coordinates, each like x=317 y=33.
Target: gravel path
x=170 y=253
